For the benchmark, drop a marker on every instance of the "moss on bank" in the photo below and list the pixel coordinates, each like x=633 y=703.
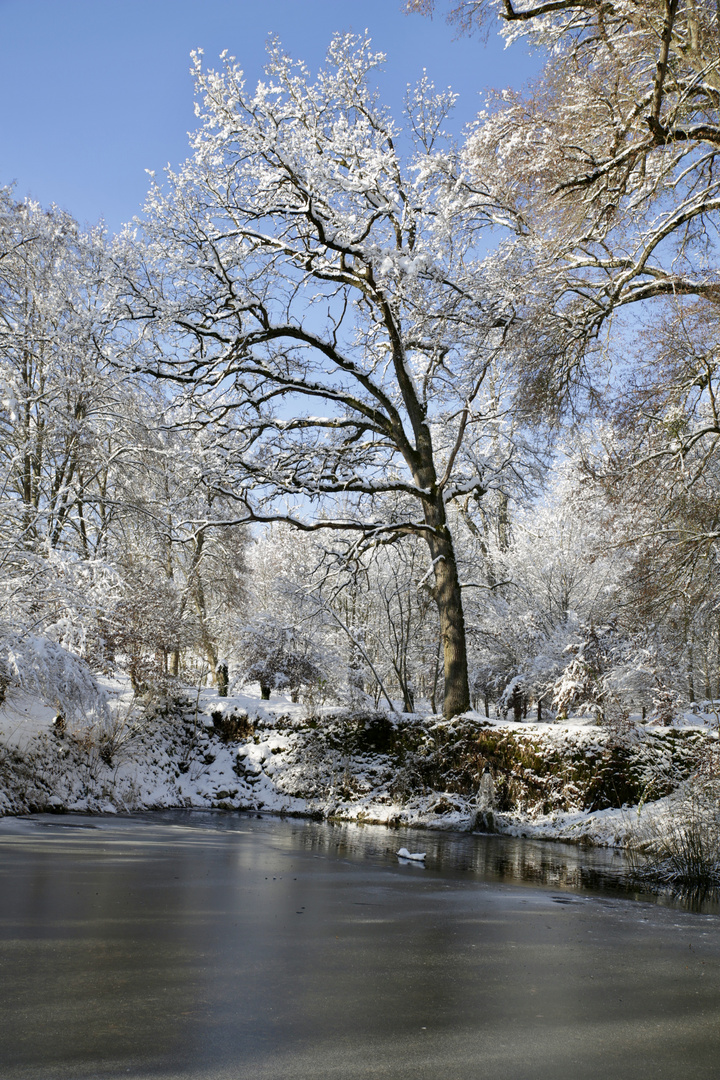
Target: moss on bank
x=536 y=769
x=359 y=766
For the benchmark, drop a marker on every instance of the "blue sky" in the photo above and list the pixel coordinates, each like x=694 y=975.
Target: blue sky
x=94 y=92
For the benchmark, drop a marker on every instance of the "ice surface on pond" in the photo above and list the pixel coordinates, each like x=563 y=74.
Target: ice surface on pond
x=230 y=947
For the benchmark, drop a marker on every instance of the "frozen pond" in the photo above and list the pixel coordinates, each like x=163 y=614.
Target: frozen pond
x=201 y=946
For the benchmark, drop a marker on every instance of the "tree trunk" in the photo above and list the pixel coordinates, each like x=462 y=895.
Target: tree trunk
x=448 y=597
x=221 y=678
x=436 y=672
x=517 y=707
x=405 y=688
x=447 y=594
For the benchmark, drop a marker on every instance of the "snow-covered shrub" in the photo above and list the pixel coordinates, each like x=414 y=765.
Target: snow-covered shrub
x=608 y=674
x=681 y=848
x=279 y=656
x=515 y=697
x=581 y=686
x=46 y=670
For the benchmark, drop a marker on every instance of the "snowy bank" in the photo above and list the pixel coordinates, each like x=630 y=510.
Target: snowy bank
x=571 y=781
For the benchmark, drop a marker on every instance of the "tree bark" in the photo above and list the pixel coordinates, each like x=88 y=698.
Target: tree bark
x=448 y=597
x=436 y=672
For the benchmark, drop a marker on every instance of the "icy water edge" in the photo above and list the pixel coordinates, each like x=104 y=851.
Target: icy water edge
x=212 y=946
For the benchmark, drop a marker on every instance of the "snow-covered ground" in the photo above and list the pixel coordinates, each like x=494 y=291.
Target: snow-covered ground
x=241 y=753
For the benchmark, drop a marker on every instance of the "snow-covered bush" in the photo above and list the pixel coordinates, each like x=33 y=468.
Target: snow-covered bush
x=681 y=847
x=279 y=657
x=608 y=674
x=46 y=670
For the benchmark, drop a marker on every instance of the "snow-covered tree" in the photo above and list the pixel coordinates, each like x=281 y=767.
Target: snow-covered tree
x=607 y=163
x=538 y=587
x=59 y=400
x=386 y=621
x=300 y=261
x=607 y=166
x=284 y=642
x=109 y=543
x=182 y=564
x=279 y=656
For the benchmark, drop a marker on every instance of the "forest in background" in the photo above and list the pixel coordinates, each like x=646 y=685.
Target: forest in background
x=376 y=419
